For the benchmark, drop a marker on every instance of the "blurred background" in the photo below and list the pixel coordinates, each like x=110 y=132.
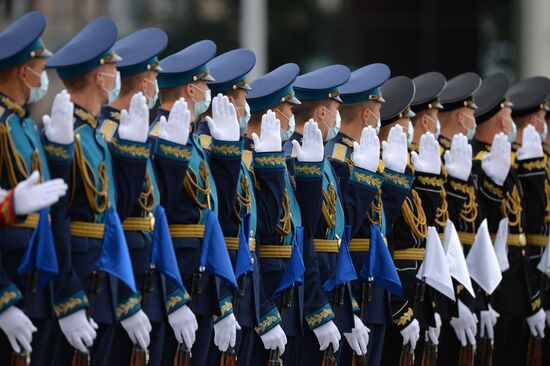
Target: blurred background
x=412 y=37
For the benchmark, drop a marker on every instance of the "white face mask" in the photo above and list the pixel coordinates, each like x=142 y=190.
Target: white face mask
x=113 y=93
x=38 y=92
x=471 y=133
x=378 y=122
x=285 y=134
x=437 y=126
x=544 y=132
x=203 y=105
x=513 y=133
x=410 y=135
x=333 y=131
x=153 y=100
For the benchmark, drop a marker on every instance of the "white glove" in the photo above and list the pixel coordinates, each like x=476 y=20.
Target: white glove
x=275 y=338
x=312 y=149
x=59 y=127
x=427 y=160
x=134 y=124
x=328 y=334
x=358 y=339
x=411 y=334
x=366 y=155
x=465 y=325
x=176 y=129
x=79 y=331
x=225 y=332
x=488 y=320
x=548 y=318
x=531 y=147
x=184 y=324
x=138 y=327
x=18 y=328
x=224 y=124
x=394 y=150
x=496 y=164
x=270 y=129
x=458 y=160
x=31 y=196
x=433 y=332
x=536 y=323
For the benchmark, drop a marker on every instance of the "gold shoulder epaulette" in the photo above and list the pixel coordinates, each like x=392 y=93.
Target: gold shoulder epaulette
x=108 y=129
x=155 y=131
x=206 y=140
x=480 y=155
x=339 y=152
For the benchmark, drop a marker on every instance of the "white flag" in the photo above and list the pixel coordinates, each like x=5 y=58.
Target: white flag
x=482 y=261
x=434 y=269
x=501 y=248
x=455 y=257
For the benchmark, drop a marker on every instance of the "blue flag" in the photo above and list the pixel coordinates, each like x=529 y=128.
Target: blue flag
x=163 y=255
x=379 y=264
x=294 y=271
x=344 y=267
x=243 y=264
x=115 y=258
x=40 y=255
x=214 y=256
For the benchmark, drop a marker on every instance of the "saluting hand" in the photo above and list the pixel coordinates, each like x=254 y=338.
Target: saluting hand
x=531 y=146
x=394 y=150
x=458 y=160
x=312 y=149
x=59 y=127
x=134 y=124
x=270 y=135
x=496 y=164
x=366 y=154
x=224 y=124
x=176 y=129
x=427 y=159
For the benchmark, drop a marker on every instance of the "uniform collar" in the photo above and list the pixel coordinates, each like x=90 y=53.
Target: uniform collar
x=248 y=143
x=445 y=142
x=110 y=113
x=296 y=136
x=12 y=105
x=480 y=146
x=85 y=116
x=344 y=139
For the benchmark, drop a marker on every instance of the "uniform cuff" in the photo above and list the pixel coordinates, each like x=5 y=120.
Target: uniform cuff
x=269 y=160
x=366 y=178
x=176 y=300
x=71 y=304
x=355 y=306
x=397 y=180
x=9 y=295
x=131 y=149
x=308 y=169
x=268 y=321
x=226 y=308
x=58 y=152
x=404 y=318
x=429 y=181
x=457 y=187
x=226 y=149
x=170 y=150
x=492 y=189
x=320 y=316
x=128 y=307
x=536 y=304
x=532 y=165
x=7 y=212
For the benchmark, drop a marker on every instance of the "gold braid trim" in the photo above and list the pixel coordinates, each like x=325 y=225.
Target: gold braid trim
x=417 y=224
x=376 y=208
x=329 y=206
x=442 y=214
x=469 y=212
x=547 y=194
x=9 y=154
x=146 y=199
x=36 y=164
x=512 y=206
x=90 y=187
x=243 y=200
x=284 y=225
x=191 y=185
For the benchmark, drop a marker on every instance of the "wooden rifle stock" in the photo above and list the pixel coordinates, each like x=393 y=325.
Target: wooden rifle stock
x=274 y=354
x=83 y=358
x=23 y=358
x=229 y=358
x=534 y=352
x=429 y=354
x=484 y=355
x=183 y=353
x=140 y=356
x=366 y=296
x=407 y=356
x=466 y=356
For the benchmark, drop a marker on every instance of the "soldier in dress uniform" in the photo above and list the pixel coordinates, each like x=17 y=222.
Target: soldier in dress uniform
x=500 y=178
x=254 y=308
x=289 y=204
x=362 y=101
x=139 y=69
x=546 y=294
x=102 y=179
x=318 y=92
x=23 y=80
x=193 y=183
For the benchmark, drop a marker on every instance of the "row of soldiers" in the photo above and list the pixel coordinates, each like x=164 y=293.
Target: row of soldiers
x=266 y=222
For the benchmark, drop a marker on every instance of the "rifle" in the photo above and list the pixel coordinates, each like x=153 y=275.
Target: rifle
x=466 y=355
x=485 y=355
x=183 y=352
x=23 y=358
x=139 y=356
x=366 y=296
x=429 y=354
x=338 y=300
x=83 y=358
x=407 y=354
x=229 y=358
x=274 y=355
